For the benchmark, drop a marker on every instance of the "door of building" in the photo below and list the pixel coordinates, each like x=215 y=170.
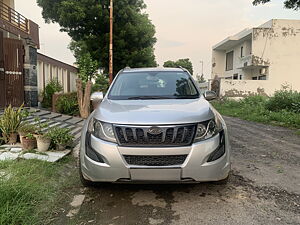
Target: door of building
x=12 y=72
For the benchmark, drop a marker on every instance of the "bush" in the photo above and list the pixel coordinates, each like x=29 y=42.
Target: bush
x=52 y=87
x=284 y=100
x=101 y=84
x=68 y=104
x=61 y=136
x=279 y=110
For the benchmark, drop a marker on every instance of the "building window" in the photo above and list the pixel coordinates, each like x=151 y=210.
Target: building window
x=254 y=78
x=241 y=77
x=235 y=76
x=264 y=77
x=242 y=51
x=229 y=61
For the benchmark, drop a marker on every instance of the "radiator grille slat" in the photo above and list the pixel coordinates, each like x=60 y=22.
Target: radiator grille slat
x=177 y=135
x=159 y=160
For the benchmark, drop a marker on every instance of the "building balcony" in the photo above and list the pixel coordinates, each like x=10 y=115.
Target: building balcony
x=15 y=23
x=252 y=61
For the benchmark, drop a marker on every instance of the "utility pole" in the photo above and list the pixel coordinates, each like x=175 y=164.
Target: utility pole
x=111 y=18
x=202 y=67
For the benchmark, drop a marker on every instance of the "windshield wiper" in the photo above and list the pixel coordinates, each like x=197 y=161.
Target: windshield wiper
x=187 y=96
x=147 y=97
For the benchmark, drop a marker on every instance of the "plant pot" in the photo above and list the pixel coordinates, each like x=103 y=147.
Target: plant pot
x=13 y=137
x=43 y=143
x=28 y=144
x=21 y=135
x=60 y=147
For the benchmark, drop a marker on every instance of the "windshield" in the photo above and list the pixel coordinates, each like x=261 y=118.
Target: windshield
x=153 y=85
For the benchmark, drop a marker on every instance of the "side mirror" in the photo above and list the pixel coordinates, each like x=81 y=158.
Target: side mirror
x=96 y=99
x=210 y=95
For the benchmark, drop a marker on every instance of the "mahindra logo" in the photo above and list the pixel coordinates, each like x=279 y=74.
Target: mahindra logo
x=154 y=130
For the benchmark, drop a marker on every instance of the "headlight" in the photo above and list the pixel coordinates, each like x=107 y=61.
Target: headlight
x=102 y=130
x=208 y=129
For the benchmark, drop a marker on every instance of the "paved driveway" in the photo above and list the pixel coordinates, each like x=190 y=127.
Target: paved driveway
x=264 y=188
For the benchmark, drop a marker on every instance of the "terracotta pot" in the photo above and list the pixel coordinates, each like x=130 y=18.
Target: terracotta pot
x=13 y=137
x=21 y=134
x=43 y=144
x=28 y=144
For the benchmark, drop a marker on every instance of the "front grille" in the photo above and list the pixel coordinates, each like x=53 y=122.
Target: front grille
x=168 y=136
x=153 y=160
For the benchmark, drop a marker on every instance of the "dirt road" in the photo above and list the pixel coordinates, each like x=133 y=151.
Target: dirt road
x=264 y=188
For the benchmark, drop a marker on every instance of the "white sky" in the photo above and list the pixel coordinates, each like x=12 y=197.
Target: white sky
x=185 y=28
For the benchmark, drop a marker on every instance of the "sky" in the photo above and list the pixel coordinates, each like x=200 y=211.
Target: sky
x=184 y=28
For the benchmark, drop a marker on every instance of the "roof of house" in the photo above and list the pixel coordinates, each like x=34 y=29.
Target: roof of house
x=56 y=63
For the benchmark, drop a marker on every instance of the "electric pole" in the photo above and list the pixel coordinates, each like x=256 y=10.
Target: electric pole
x=202 y=67
x=111 y=18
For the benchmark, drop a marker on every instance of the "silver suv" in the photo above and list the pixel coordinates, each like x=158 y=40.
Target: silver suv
x=154 y=125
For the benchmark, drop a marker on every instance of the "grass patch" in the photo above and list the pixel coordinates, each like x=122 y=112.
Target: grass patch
x=28 y=190
x=255 y=108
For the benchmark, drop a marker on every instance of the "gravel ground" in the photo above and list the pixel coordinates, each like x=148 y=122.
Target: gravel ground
x=264 y=188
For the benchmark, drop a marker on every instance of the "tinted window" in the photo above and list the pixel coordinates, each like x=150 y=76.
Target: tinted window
x=153 y=85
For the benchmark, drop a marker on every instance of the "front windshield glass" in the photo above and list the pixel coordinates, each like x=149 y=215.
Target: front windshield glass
x=153 y=85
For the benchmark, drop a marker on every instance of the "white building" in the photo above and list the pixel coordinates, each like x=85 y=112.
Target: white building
x=259 y=60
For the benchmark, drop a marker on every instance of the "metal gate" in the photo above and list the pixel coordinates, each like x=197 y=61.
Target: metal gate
x=11 y=72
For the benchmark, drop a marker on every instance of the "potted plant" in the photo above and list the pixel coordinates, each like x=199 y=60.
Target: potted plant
x=42 y=136
x=29 y=142
x=43 y=142
x=61 y=137
x=26 y=128
x=10 y=122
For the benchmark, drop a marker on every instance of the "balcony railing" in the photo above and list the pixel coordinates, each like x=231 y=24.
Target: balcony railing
x=253 y=61
x=14 y=18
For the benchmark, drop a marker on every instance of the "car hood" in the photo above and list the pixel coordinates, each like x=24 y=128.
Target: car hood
x=154 y=112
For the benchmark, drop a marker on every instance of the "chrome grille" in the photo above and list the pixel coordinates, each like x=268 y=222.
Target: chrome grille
x=132 y=136
x=152 y=160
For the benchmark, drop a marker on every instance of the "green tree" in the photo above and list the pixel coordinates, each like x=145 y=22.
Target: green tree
x=88 y=68
x=101 y=83
x=289 y=4
x=185 y=63
x=87 y=23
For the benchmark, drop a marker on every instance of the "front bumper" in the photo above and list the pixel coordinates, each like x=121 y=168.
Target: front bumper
x=195 y=168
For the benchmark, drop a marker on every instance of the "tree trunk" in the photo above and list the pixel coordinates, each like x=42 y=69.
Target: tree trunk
x=84 y=98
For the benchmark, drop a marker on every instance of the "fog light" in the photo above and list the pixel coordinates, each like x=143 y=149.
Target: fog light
x=90 y=152
x=220 y=151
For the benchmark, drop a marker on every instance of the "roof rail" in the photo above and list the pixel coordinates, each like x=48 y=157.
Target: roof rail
x=184 y=69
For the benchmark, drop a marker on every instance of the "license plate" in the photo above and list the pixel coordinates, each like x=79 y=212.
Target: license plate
x=155 y=174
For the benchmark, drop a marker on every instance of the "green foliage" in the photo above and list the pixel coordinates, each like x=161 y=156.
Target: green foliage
x=61 y=136
x=101 y=84
x=11 y=120
x=284 y=100
x=185 y=63
x=87 y=23
x=87 y=67
x=52 y=87
x=68 y=104
x=30 y=136
x=27 y=190
x=26 y=128
x=254 y=108
x=289 y=4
